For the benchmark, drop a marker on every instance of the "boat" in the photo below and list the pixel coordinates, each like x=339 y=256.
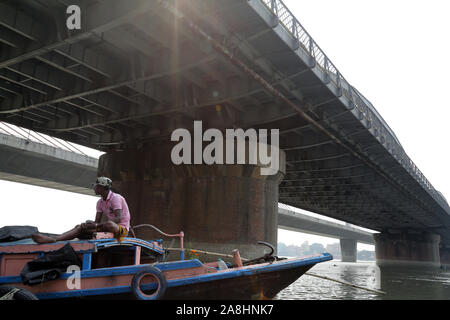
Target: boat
x=139 y=269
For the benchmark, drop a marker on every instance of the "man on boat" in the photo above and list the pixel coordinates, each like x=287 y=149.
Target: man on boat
x=111 y=206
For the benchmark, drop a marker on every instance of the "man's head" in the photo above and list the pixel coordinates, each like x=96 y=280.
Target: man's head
x=102 y=186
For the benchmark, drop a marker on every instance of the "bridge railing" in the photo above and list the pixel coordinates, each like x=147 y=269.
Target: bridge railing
x=366 y=113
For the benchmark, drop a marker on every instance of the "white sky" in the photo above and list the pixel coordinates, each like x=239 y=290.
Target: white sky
x=394 y=52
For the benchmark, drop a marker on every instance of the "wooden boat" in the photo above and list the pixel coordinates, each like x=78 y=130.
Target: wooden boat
x=137 y=268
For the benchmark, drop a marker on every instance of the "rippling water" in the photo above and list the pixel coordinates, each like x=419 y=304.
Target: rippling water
x=418 y=284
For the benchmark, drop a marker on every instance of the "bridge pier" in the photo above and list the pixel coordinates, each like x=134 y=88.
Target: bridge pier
x=219 y=207
x=348 y=250
x=407 y=250
x=444 y=253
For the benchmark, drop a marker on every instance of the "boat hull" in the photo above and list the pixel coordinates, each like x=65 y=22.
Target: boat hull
x=181 y=280
x=259 y=282
x=258 y=286
x=263 y=286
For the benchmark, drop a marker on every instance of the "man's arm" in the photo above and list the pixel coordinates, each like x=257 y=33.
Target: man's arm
x=117 y=216
x=98 y=217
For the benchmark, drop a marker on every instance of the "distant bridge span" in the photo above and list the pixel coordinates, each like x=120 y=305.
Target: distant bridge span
x=298 y=222
x=38 y=164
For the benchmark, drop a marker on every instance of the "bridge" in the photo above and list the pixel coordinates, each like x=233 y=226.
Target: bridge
x=348 y=235
x=138 y=70
x=299 y=222
x=38 y=161
x=50 y=166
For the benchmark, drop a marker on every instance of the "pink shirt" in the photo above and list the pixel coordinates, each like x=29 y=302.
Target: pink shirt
x=113 y=202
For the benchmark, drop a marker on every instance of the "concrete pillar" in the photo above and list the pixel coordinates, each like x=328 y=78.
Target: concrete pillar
x=219 y=207
x=348 y=250
x=407 y=249
x=444 y=253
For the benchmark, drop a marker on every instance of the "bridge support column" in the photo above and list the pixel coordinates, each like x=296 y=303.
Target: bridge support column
x=348 y=250
x=444 y=253
x=406 y=249
x=219 y=207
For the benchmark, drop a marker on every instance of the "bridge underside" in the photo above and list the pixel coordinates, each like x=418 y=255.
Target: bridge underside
x=137 y=70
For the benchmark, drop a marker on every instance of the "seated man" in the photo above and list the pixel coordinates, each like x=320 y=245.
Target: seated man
x=112 y=205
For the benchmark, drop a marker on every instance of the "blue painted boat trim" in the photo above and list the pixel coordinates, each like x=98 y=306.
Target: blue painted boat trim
x=278 y=266
x=87 y=261
x=105 y=243
x=181 y=254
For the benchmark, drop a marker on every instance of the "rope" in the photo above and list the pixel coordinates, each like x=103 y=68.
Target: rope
x=345 y=283
x=207 y=252
x=155 y=228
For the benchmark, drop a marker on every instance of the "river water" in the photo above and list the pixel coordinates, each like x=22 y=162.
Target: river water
x=405 y=285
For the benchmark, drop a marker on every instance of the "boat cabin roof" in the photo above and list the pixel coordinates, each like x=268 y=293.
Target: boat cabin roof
x=80 y=246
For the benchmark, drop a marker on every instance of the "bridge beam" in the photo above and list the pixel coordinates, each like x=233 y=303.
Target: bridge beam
x=403 y=249
x=348 y=250
x=219 y=207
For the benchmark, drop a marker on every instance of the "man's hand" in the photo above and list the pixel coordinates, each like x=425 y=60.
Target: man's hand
x=89 y=226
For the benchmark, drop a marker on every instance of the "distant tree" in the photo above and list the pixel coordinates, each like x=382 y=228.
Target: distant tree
x=304 y=248
x=334 y=249
x=316 y=248
x=281 y=248
x=366 y=255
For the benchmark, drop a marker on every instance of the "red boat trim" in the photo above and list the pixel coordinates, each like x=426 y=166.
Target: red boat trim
x=79 y=246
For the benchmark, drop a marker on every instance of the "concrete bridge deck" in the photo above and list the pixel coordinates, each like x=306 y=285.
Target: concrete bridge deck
x=42 y=165
x=295 y=221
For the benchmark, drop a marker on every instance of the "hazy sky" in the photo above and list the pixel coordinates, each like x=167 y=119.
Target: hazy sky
x=394 y=52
